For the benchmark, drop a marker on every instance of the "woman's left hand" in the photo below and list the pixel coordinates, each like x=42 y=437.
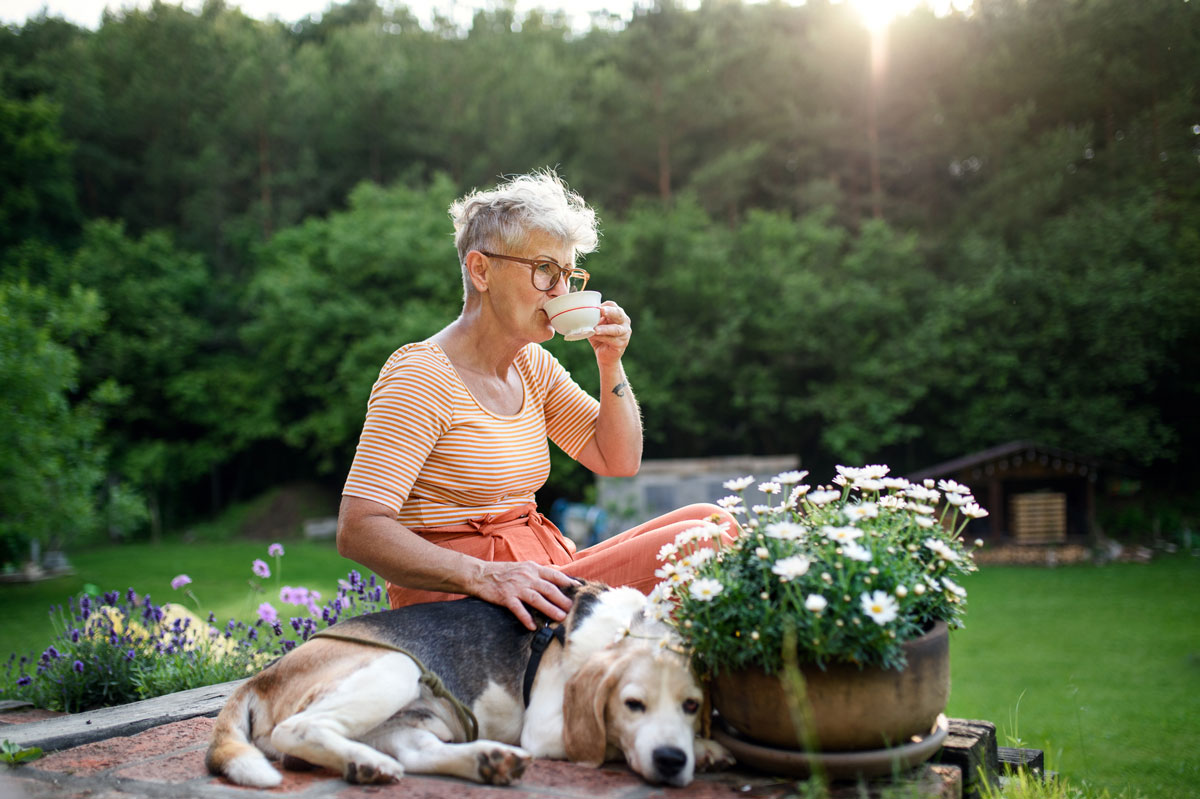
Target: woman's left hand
x=612 y=334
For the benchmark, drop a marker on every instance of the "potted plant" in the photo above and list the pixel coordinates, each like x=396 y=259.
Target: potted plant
x=824 y=626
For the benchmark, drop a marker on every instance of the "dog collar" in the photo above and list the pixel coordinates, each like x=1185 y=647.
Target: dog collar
x=541 y=640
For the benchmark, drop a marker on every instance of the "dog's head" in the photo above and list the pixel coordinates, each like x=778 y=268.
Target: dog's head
x=640 y=699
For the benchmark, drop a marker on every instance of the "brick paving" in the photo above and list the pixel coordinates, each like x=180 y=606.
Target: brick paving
x=167 y=762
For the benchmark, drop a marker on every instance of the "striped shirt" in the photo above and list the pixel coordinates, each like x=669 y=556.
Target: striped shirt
x=435 y=456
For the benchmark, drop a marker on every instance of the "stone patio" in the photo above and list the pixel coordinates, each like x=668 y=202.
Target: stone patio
x=155 y=750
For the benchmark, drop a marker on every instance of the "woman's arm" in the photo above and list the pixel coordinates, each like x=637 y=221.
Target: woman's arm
x=616 y=449
x=368 y=533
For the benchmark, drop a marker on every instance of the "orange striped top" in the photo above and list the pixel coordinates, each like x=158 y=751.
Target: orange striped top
x=435 y=456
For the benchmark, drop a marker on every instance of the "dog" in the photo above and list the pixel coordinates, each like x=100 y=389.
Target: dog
x=606 y=682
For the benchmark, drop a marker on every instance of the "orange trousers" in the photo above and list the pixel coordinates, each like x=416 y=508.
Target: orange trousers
x=627 y=559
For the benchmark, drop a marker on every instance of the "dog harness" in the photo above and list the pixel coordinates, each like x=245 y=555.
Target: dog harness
x=541 y=640
x=428 y=679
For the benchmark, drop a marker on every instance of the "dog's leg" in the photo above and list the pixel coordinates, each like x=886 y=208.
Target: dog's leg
x=324 y=733
x=710 y=755
x=421 y=751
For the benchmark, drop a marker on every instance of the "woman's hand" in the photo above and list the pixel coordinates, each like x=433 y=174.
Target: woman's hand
x=515 y=585
x=612 y=334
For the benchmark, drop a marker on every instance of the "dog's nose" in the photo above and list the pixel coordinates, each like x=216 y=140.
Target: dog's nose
x=669 y=761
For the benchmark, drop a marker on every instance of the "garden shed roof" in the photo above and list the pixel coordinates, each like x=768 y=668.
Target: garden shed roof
x=1028 y=451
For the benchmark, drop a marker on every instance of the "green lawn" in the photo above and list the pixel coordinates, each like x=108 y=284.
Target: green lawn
x=1099 y=666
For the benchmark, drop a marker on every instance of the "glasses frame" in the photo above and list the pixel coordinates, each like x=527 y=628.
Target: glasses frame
x=572 y=273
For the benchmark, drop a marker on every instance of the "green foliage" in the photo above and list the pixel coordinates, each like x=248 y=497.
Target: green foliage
x=14 y=754
x=51 y=459
x=39 y=197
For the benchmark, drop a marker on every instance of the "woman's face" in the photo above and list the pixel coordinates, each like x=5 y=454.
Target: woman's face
x=516 y=299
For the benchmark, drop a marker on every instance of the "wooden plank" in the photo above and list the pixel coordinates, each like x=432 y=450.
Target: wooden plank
x=65 y=732
x=971 y=745
x=1013 y=760
x=1039 y=518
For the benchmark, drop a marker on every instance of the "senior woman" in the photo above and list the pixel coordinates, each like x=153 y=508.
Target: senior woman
x=440 y=498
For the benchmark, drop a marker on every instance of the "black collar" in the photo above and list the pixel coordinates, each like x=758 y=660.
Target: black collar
x=541 y=640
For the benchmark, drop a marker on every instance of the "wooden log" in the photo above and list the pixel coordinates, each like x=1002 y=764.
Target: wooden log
x=64 y=732
x=971 y=745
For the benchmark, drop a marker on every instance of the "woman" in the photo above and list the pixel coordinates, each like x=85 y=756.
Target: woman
x=440 y=498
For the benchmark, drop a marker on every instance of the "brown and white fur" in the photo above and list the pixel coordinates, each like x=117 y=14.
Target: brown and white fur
x=613 y=688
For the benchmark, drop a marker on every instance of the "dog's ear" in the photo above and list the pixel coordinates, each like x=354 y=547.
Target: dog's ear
x=585 y=733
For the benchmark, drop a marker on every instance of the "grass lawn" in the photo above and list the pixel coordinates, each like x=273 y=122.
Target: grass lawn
x=1099 y=666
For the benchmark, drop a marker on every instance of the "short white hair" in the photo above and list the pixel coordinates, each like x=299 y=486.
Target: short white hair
x=504 y=217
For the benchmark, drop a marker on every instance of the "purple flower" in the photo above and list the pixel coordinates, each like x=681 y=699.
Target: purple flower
x=261 y=568
x=180 y=581
x=267 y=613
x=78 y=666
x=275 y=550
x=293 y=596
x=24 y=680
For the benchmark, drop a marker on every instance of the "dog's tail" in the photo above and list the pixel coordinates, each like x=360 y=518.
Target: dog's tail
x=230 y=752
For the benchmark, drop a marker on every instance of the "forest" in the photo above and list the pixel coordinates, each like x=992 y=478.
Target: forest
x=854 y=247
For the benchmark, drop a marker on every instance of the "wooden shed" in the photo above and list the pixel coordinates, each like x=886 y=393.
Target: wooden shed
x=1034 y=494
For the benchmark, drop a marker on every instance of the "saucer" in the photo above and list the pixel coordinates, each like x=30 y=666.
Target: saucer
x=835 y=765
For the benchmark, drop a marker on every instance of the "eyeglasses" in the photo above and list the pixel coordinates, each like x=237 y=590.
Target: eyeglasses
x=545 y=273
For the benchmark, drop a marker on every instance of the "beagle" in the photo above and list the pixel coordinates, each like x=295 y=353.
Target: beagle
x=456 y=688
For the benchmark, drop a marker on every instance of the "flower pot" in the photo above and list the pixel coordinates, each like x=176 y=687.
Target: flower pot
x=847 y=708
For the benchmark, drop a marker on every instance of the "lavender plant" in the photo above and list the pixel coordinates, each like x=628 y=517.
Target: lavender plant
x=121 y=647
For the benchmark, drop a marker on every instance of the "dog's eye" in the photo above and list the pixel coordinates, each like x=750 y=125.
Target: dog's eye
x=691 y=706
x=635 y=705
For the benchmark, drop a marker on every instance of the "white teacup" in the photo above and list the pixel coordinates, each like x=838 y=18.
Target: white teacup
x=575 y=315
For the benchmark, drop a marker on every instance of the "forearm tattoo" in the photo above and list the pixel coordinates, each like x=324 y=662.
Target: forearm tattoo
x=619 y=388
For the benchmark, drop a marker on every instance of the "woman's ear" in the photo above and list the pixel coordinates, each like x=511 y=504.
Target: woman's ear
x=479 y=270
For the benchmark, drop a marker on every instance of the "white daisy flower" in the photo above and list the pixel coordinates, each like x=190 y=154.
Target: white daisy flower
x=881 y=607
x=901 y=591
x=770 y=488
x=762 y=553
x=705 y=589
x=870 y=484
x=892 y=502
x=973 y=510
x=823 y=497
x=738 y=484
x=786 y=531
x=924 y=521
x=923 y=493
x=958 y=499
x=841 y=534
x=941 y=549
x=760 y=509
x=954 y=588
x=951 y=487
x=927 y=510
x=668 y=550
x=932 y=583
x=867 y=510
x=815 y=603
x=790 y=568
x=798 y=492
x=875 y=471
x=790 y=478
x=847 y=474
x=700 y=556
x=731 y=501
x=856 y=552
x=895 y=483
x=665 y=571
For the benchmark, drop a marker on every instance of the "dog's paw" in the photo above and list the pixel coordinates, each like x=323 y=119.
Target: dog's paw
x=711 y=756
x=502 y=765
x=373 y=773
